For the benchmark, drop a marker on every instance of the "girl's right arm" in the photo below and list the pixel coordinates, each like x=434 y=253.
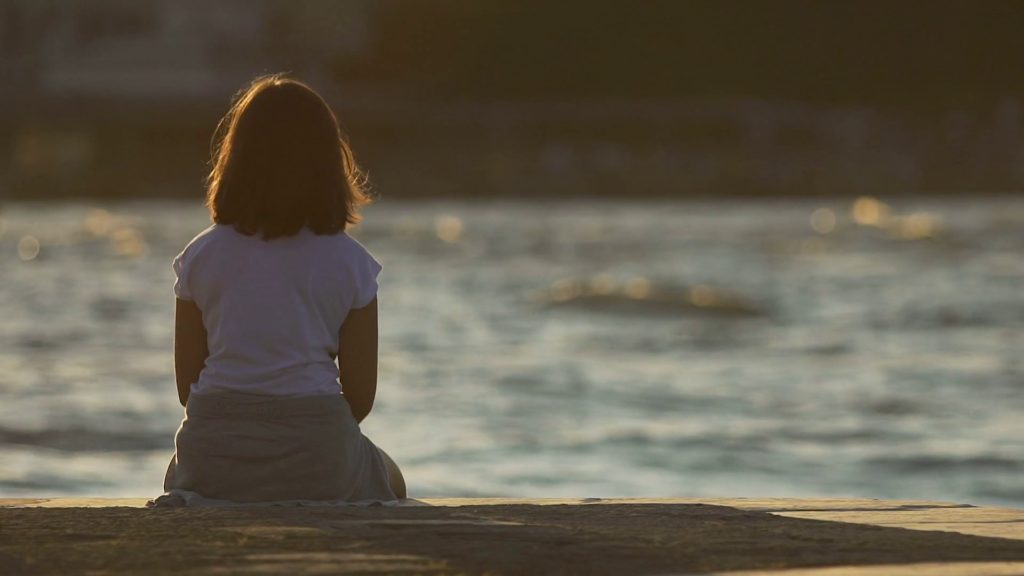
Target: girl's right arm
x=357 y=359
x=190 y=346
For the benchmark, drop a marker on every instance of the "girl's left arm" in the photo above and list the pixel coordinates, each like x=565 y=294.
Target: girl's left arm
x=190 y=346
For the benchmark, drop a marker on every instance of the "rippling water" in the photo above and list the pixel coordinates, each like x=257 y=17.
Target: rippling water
x=574 y=349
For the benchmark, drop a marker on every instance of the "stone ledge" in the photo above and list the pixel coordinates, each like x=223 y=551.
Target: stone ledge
x=739 y=536
x=911 y=514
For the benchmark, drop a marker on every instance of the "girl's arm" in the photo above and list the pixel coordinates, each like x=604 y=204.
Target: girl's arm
x=190 y=347
x=357 y=359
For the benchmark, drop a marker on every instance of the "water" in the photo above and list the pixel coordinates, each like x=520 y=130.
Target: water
x=873 y=365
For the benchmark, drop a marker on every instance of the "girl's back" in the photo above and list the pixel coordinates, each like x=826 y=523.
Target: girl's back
x=272 y=308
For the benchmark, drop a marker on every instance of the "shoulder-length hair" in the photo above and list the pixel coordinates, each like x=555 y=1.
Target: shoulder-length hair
x=281 y=164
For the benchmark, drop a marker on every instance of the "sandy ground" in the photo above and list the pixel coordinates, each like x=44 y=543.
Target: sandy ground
x=453 y=536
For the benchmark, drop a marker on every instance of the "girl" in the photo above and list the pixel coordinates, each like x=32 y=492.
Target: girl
x=267 y=298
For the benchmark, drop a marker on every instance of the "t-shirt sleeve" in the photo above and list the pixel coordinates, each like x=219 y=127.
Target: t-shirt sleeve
x=366 y=274
x=181 y=268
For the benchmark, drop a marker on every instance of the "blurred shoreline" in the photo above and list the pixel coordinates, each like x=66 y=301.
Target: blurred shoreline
x=609 y=149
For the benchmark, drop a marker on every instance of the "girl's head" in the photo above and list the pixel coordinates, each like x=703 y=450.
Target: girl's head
x=280 y=163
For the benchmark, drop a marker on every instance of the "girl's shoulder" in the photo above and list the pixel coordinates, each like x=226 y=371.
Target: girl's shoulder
x=348 y=243
x=346 y=248
x=215 y=234
x=225 y=239
x=183 y=262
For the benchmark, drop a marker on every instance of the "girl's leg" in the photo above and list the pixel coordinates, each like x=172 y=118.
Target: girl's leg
x=395 y=478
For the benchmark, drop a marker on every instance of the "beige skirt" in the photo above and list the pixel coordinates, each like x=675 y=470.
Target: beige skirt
x=249 y=449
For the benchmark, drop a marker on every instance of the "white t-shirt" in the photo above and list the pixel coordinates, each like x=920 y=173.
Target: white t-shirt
x=272 y=309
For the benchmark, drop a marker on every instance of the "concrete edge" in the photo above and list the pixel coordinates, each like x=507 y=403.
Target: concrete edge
x=909 y=514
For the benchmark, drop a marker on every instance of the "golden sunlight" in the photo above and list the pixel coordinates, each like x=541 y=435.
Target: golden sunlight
x=868 y=211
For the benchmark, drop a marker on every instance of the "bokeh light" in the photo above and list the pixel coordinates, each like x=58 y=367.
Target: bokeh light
x=98 y=222
x=918 y=226
x=28 y=248
x=449 y=228
x=823 y=221
x=869 y=211
x=702 y=295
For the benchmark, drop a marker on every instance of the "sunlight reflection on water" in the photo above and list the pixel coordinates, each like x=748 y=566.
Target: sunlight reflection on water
x=576 y=349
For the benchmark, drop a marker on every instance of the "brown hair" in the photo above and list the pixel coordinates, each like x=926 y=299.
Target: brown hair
x=281 y=163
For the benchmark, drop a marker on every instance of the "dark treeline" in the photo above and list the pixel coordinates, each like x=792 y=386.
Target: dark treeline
x=549 y=98
x=926 y=55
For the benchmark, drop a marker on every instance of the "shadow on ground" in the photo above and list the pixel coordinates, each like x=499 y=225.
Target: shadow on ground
x=496 y=539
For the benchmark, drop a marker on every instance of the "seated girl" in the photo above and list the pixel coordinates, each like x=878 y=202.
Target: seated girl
x=267 y=299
